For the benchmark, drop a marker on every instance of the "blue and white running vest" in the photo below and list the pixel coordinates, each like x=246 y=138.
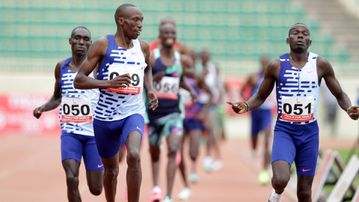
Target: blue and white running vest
x=298 y=91
x=119 y=103
x=77 y=105
x=167 y=90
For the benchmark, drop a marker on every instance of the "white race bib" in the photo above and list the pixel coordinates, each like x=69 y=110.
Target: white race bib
x=76 y=110
x=168 y=88
x=297 y=109
x=136 y=74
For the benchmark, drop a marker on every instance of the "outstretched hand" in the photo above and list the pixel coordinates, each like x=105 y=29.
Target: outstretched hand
x=353 y=112
x=152 y=98
x=37 y=112
x=239 y=107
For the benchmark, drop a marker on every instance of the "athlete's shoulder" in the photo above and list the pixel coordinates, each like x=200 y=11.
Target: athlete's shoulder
x=321 y=61
x=60 y=63
x=275 y=63
x=186 y=61
x=144 y=44
x=144 y=47
x=102 y=41
x=154 y=44
x=324 y=67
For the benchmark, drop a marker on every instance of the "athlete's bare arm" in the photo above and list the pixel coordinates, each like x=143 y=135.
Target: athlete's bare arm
x=250 y=82
x=325 y=70
x=148 y=80
x=270 y=76
x=95 y=54
x=187 y=64
x=55 y=99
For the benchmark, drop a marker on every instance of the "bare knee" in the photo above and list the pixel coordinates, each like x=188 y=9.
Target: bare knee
x=133 y=158
x=72 y=181
x=193 y=155
x=172 y=151
x=112 y=172
x=96 y=190
x=279 y=182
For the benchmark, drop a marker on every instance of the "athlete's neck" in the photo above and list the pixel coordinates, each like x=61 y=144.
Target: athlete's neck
x=76 y=61
x=122 y=40
x=167 y=56
x=167 y=51
x=299 y=59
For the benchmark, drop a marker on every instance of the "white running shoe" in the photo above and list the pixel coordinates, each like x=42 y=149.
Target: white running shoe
x=207 y=164
x=274 y=197
x=185 y=194
x=156 y=194
x=167 y=199
x=193 y=177
x=217 y=165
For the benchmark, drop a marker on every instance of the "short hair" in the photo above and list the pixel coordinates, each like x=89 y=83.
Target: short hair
x=167 y=19
x=120 y=9
x=79 y=27
x=298 y=24
x=166 y=24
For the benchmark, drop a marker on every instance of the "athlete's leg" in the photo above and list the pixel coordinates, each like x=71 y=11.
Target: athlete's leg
x=182 y=164
x=71 y=168
x=71 y=153
x=283 y=154
x=185 y=193
x=281 y=175
x=155 y=161
x=108 y=136
x=195 y=136
x=304 y=188
x=94 y=166
x=111 y=165
x=263 y=177
x=254 y=142
x=256 y=127
x=121 y=154
x=306 y=160
x=95 y=181
x=134 y=172
x=212 y=149
x=266 y=152
x=173 y=145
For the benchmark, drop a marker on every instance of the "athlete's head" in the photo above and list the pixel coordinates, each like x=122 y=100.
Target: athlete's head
x=129 y=19
x=299 y=38
x=166 y=20
x=80 y=40
x=167 y=35
x=205 y=57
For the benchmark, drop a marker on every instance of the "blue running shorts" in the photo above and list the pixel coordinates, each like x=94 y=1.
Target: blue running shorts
x=298 y=143
x=261 y=119
x=190 y=124
x=111 y=135
x=74 y=146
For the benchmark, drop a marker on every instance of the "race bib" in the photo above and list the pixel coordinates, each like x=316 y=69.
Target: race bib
x=167 y=88
x=297 y=109
x=136 y=74
x=76 y=110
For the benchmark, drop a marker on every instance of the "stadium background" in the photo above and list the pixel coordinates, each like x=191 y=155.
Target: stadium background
x=34 y=37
